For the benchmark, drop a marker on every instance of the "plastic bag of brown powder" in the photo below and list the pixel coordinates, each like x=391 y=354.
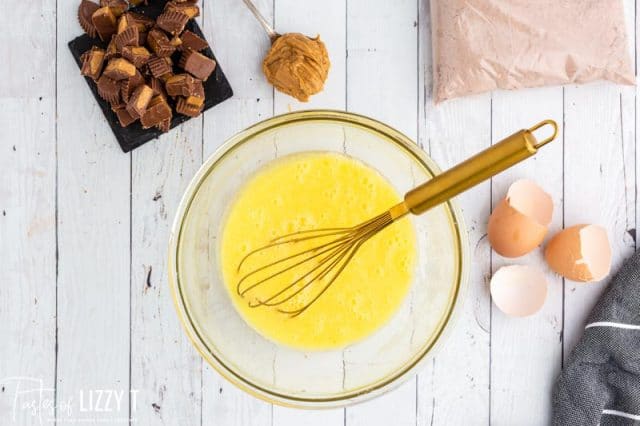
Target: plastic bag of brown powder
x=482 y=45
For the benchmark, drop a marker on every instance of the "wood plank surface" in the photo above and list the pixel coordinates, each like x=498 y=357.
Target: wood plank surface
x=84 y=297
x=515 y=368
x=94 y=209
x=27 y=209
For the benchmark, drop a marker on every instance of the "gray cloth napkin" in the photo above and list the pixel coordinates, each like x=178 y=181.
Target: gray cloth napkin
x=600 y=383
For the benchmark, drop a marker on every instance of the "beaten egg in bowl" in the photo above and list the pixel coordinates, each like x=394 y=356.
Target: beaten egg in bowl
x=314 y=191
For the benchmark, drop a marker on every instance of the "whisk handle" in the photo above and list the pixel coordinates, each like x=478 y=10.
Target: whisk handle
x=502 y=155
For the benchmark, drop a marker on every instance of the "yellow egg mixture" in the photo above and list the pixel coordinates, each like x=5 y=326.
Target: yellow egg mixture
x=308 y=191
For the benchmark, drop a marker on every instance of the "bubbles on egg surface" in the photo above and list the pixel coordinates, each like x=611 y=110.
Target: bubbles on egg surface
x=358 y=307
x=380 y=270
x=406 y=263
x=303 y=165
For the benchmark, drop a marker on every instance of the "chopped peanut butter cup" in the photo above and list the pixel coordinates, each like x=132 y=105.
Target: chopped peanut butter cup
x=172 y=22
x=192 y=41
x=105 y=23
x=159 y=43
x=189 y=8
x=108 y=89
x=156 y=113
x=119 y=69
x=118 y=7
x=197 y=64
x=124 y=117
x=139 y=101
x=160 y=67
x=85 y=12
x=92 y=62
x=129 y=37
x=137 y=55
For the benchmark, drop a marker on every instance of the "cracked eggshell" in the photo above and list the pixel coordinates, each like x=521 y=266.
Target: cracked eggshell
x=519 y=222
x=519 y=290
x=580 y=253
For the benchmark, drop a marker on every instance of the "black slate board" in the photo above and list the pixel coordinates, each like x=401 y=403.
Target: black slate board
x=217 y=88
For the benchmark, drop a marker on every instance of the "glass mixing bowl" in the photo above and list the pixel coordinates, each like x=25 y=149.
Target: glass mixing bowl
x=311 y=379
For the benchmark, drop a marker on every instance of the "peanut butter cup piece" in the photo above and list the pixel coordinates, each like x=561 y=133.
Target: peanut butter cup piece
x=192 y=41
x=131 y=19
x=109 y=89
x=124 y=117
x=112 y=51
x=92 y=62
x=184 y=85
x=197 y=64
x=183 y=108
x=190 y=106
x=176 y=84
x=141 y=21
x=118 y=7
x=159 y=67
x=85 y=12
x=139 y=101
x=172 y=22
x=130 y=84
x=189 y=8
x=137 y=55
x=119 y=69
x=159 y=43
x=105 y=23
x=129 y=37
x=156 y=113
x=165 y=125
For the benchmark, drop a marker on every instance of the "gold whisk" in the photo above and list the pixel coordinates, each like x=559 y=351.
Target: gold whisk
x=315 y=268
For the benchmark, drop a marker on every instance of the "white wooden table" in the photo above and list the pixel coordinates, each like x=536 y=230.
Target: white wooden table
x=84 y=299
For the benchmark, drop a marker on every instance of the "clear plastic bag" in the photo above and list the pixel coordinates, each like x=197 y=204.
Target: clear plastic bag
x=482 y=45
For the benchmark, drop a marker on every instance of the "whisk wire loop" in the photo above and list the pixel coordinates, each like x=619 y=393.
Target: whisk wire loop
x=326 y=261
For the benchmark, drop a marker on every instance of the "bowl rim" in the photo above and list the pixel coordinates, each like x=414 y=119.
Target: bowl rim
x=387 y=383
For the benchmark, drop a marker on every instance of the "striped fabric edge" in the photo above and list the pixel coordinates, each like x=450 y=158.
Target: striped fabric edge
x=621 y=414
x=612 y=324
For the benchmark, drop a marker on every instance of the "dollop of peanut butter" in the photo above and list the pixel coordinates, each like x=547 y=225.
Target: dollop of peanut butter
x=297 y=65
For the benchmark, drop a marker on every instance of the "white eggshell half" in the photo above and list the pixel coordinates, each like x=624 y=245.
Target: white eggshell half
x=519 y=290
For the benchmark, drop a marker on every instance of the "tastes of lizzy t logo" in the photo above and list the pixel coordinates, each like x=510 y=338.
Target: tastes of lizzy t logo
x=25 y=399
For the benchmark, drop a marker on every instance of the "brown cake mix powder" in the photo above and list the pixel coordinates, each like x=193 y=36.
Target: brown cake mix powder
x=482 y=45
